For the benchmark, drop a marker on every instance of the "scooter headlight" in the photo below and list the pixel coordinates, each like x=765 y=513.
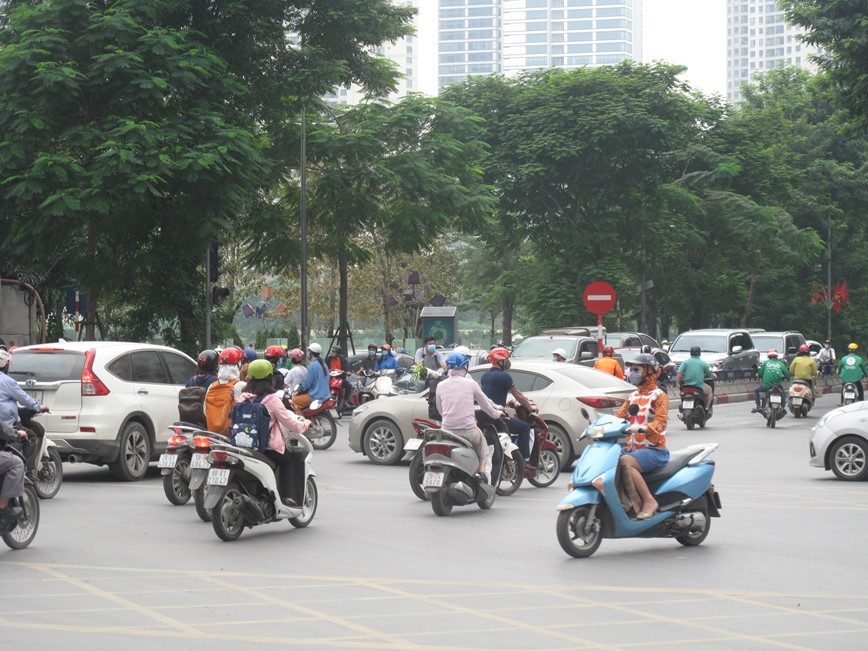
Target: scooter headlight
x=596 y=431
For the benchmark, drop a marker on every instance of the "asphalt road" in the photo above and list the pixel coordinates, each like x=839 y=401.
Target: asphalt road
x=116 y=565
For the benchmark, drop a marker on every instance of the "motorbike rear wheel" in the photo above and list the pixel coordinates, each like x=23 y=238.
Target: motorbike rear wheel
x=226 y=517
x=772 y=418
x=49 y=475
x=548 y=469
x=688 y=420
x=511 y=475
x=417 y=473
x=176 y=484
x=308 y=505
x=329 y=431
x=199 y=497
x=25 y=531
x=693 y=538
x=440 y=502
x=573 y=537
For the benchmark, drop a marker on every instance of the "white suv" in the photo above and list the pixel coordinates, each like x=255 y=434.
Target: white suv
x=111 y=402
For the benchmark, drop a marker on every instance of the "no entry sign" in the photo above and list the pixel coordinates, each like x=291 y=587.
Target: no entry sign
x=599 y=297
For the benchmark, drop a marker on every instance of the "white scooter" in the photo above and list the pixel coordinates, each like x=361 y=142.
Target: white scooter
x=800 y=398
x=47 y=475
x=243 y=489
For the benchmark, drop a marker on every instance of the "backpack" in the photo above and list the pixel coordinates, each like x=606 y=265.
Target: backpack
x=190 y=405
x=218 y=404
x=251 y=424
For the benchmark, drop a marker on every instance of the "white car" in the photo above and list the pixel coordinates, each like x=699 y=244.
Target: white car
x=111 y=402
x=839 y=442
x=379 y=428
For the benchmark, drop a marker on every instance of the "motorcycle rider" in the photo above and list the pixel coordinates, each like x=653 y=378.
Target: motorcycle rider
x=772 y=372
x=11 y=474
x=826 y=359
x=276 y=356
x=261 y=383
x=369 y=363
x=316 y=383
x=496 y=383
x=803 y=367
x=852 y=368
x=693 y=372
x=337 y=361
x=297 y=371
x=645 y=451
x=429 y=356
x=11 y=395
x=206 y=370
x=387 y=361
x=608 y=364
x=226 y=391
x=455 y=399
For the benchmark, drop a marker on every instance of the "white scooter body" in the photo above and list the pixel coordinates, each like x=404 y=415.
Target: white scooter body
x=800 y=398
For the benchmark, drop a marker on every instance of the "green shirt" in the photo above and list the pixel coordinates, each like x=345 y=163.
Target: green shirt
x=772 y=372
x=694 y=370
x=851 y=368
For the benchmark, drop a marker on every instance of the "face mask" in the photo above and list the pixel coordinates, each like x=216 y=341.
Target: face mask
x=431 y=348
x=371 y=353
x=554 y=359
x=635 y=377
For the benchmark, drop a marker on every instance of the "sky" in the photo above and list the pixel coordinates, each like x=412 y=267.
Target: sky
x=686 y=32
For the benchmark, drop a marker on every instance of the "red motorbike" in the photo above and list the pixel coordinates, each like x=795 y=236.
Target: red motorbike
x=336 y=386
x=544 y=465
x=323 y=430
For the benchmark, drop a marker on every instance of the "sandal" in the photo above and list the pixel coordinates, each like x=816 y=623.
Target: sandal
x=645 y=515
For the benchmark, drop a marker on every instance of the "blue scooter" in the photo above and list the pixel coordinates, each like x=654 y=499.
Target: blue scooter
x=593 y=510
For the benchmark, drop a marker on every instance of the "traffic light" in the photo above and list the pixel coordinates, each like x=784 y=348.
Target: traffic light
x=219 y=294
x=213 y=263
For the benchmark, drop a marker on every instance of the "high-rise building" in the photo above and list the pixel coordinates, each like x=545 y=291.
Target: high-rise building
x=480 y=37
x=758 y=39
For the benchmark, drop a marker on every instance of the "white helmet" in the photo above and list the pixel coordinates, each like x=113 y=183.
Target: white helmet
x=315 y=348
x=462 y=349
x=5 y=357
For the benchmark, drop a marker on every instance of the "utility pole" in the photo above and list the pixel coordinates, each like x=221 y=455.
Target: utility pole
x=829 y=281
x=208 y=297
x=305 y=335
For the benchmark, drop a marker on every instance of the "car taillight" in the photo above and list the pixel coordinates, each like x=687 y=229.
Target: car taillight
x=91 y=385
x=601 y=403
x=438 y=448
x=175 y=441
x=201 y=441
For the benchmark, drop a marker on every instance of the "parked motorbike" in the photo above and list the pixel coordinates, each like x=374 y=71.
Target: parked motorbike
x=772 y=406
x=849 y=393
x=692 y=408
x=46 y=470
x=451 y=465
x=19 y=530
x=243 y=490
x=800 y=398
x=512 y=472
x=593 y=510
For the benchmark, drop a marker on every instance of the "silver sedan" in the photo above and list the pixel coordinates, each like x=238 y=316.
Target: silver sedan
x=378 y=429
x=839 y=442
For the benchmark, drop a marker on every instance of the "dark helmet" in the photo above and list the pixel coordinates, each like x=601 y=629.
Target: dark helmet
x=646 y=359
x=208 y=361
x=646 y=348
x=695 y=351
x=337 y=350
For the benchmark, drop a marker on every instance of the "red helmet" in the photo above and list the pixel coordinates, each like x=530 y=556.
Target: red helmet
x=773 y=352
x=231 y=355
x=275 y=351
x=296 y=355
x=803 y=348
x=496 y=355
x=608 y=350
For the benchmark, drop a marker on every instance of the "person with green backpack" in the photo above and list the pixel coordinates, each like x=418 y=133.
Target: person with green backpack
x=772 y=372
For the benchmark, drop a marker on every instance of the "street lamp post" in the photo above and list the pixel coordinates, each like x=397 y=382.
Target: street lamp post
x=304 y=324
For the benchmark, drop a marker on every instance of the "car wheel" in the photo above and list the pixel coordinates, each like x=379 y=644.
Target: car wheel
x=383 y=442
x=562 y=442
x=849 y=458
x=134 y=454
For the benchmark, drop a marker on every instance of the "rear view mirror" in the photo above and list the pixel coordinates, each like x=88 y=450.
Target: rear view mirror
x=736 y=350
x=587 y=354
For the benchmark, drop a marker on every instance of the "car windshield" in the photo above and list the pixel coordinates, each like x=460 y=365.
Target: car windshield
x=706 y=343
x=590 y=378
x=764 y=342
x=46 y=366
x=543 y=347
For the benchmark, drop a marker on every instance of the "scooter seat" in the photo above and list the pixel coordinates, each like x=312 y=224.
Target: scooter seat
x=256 y=454
x=677 y=460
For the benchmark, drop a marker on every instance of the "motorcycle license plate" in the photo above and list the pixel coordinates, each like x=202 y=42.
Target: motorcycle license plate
x=849 y=395
x=687 y=403
x=412 y=445
x=775 y=400
x=218 y=476
x=200 y=460
x=168 y=460
x=334 y=413
x=796 y=401
x=433 y=479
